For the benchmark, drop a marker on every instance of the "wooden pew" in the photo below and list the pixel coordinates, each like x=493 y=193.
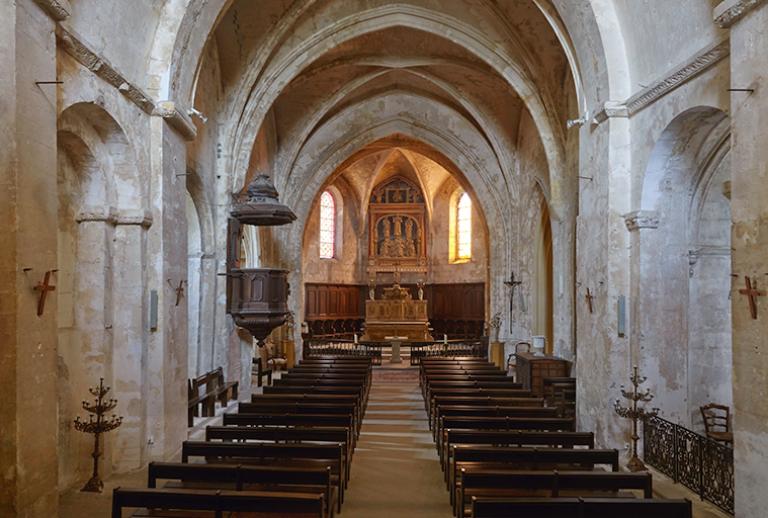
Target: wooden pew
x=580 y=508
x=337 y=435
x=205 y=390
x=518 y=438
x=504 y=423
x=303 y=455
x=468 y=382
x=318 y=389
x=474 y=392
x=512 y=458
x=258 y=504
x=499 y=483
x=277 y=407
x=441 y=411
x=249 y=478
x=281 y=399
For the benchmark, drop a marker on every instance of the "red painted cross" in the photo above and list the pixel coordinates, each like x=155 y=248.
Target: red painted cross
x=752 y=292
x=44 y=287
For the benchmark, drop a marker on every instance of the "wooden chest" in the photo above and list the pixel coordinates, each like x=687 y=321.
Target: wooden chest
x=531 y=370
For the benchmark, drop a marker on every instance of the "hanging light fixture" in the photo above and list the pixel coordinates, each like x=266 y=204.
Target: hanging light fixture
x=257 y=298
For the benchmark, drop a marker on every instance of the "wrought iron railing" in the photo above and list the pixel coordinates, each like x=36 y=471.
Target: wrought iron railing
x=373 y=349
x=703 y=465
x=320 y=346
x=474 y=347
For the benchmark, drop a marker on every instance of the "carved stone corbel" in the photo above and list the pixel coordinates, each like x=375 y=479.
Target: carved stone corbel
x=640 y=219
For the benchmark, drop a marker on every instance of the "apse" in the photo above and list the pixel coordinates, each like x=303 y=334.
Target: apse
x=390 y=215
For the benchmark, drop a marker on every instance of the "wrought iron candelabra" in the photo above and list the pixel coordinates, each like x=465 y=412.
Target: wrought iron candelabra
x=97 y=424
x=635 y=413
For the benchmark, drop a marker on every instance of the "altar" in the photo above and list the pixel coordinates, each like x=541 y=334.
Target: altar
x=396 y=317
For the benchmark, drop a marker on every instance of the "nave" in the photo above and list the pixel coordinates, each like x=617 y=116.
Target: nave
x=503 y=451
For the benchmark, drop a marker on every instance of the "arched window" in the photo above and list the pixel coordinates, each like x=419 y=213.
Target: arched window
x=464 y=228
x=327 y=225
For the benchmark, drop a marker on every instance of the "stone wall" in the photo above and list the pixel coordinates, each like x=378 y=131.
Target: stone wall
x=749 y=163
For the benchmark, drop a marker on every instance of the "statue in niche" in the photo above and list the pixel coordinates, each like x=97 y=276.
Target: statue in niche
x=386 y=242
x=410 y=240
x=397 y=236
x=398 y=242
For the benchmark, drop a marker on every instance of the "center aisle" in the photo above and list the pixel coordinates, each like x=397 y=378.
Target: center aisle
x=395 y=468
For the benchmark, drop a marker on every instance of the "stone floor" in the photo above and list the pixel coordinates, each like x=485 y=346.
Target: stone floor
x=395 y=469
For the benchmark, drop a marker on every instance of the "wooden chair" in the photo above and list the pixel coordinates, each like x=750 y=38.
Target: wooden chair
x=512 y=358
x=717 y=422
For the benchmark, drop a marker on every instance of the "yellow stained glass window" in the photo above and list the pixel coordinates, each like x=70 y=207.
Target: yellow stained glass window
x=327 y=226
x=464 y=227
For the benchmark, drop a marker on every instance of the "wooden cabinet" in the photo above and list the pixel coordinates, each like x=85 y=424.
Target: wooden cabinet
x=531 y=370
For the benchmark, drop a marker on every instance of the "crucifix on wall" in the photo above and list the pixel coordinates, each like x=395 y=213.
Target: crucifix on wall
x=178 y=289
x=752 y=292
x=44 y=287
x=512 y=283
x=589 y=298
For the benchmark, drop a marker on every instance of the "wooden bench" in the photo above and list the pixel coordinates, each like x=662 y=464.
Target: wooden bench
x=468 y=382
x=474 y=392
x=337 y=435
x=261 y=372
x=278 y=407
x=500 y=483
x=359 y=392
x=497 y=457
x=351 y=399
x=258 y=504
x=551 y=424
x=580 y=508
x=518 y=438
x=244 y=478
x=293 y=455
x=486 y=411
x=205 y=390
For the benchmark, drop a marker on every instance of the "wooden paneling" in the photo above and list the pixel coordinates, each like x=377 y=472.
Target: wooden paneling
x=333 y=301
x=464 y=302
x=456 y=301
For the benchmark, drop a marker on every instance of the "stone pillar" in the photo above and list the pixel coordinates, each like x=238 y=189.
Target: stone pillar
x=130 y=329
x=28 y=210
x=85 y=355
x=166 y=360
x=208 y=312
x=748 y=21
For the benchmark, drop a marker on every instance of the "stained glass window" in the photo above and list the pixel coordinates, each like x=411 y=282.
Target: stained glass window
x=464 y=228
x=327 y=226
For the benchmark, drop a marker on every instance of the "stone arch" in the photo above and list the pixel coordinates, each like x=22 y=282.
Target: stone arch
x=104 y=250
x=683 y=286
x=194 y=259
x=107 y=140
x=84 y=317
x=543 y=293
x=449 y=152
x=410 y=17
